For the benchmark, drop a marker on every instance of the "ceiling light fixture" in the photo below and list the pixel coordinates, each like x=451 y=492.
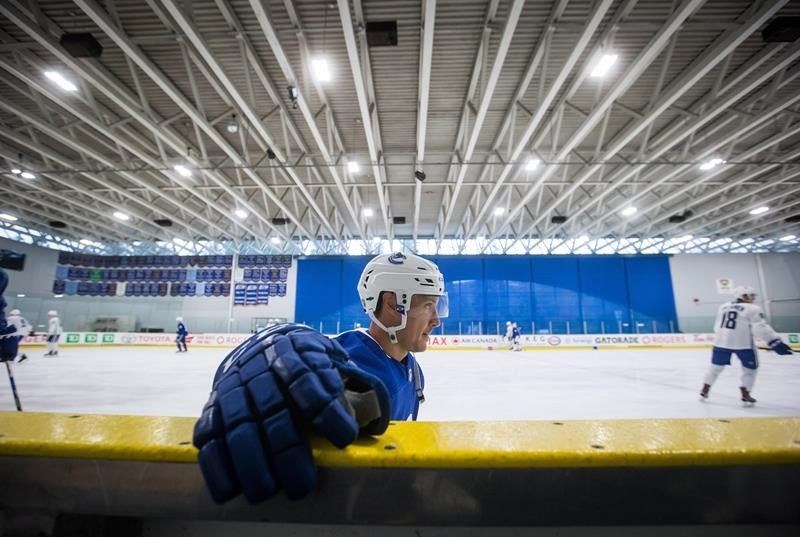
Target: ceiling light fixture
x=183 y=170
x=368 y=212
x=629 y=211
x=759 y=210
x=275 y=240
x=499 y=210
x=321 y=70
x=240 y=214
x=711 y=164
x=532 y=164
x=60 y=81
x=27 y=175
x=9 y=217
x=352 y=166
x=16 y=171
x=119 y=215
x=233 y=125
x=788 y=238
x=603 y=65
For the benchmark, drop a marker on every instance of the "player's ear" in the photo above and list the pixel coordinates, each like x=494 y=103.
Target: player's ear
x=388 y=302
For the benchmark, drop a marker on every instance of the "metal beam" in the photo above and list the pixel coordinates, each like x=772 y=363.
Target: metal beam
x=425 y=62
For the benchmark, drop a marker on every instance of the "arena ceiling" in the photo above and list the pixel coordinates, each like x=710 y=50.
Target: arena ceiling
x=206 y=124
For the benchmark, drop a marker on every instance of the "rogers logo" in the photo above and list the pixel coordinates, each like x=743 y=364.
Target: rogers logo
x=554 y=340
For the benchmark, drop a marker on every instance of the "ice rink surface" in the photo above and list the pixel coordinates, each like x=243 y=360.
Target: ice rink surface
x=460 y=385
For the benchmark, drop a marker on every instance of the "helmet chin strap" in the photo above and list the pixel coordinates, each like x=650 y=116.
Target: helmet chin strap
x=391 y=330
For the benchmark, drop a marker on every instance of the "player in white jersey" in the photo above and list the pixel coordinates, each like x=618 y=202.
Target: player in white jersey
x=510 y=335
x=738 y=322
x=23 y=328
x=53 y=333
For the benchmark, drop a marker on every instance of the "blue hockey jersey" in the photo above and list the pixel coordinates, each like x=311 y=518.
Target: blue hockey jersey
x=398 y=377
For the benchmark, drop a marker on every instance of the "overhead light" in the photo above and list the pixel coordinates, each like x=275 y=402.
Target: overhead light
x=27 y=175
x=9 y=217
x=20 y=295
x=759 y=210
x=240 y=213
x=788 y=238
x=686 y=238
x=275 y=240
x=183 y=170
x=321 y=70
x=582 y=239
x=603 y=65
x=233 y=125
x=88 y=242
x=16 y=171
x=499 y=210
x=710 y=164
x=352 y=166
x=58 y=296
x=629 y=211
x=121 y=216
x=532 y=164
x=60 y=81
x=136 y=243
x=368 y=212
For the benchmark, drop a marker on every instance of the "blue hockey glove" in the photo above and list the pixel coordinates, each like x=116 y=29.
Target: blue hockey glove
x=282 y=378
x=779 y=347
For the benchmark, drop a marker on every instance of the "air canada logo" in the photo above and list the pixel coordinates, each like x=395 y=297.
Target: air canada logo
x=554 y=340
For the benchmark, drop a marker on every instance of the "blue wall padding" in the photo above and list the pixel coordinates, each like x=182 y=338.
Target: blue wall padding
x=546 y=293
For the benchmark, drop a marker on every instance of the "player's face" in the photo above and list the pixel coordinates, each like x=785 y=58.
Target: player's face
x=420 y=322
x=748 y=298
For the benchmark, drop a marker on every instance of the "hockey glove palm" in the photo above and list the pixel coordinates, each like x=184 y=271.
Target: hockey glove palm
x=780 y=347
x=248 y=435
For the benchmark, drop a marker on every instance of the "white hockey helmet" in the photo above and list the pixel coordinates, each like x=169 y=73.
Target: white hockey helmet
x=15 y=312
x=179 y=319
x=405 y=275
x=743 y=290
x=508 y=323
x=52 y=313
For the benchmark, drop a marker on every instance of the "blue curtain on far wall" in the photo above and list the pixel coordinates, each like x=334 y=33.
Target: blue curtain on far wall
x=545 y=294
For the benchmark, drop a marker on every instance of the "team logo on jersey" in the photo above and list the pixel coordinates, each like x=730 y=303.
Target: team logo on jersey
x=410 y=376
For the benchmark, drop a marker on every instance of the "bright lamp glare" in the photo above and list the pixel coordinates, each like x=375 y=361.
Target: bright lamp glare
x=16 y=171
x=321 y=70
x=27 y=175
x=62 y=82
x=275 y=240
x=788 y=238
x=183 y=170
x=499 y=210
x=686 y=238
x=531 y=164
x=88 y=242
x=368 y=212
x=121 y=216
x=759 y=210
x=240 y=213
x=352 y=166
x=9 y=217
x=603 y=65
x=711 y=164
x=629 y=211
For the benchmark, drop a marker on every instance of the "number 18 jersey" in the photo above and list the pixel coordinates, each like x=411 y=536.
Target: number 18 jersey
x=737 y=323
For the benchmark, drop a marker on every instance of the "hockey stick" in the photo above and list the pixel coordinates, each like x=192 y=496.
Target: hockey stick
x=13 y=386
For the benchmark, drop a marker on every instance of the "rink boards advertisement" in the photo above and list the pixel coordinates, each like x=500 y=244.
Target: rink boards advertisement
x=437 y=342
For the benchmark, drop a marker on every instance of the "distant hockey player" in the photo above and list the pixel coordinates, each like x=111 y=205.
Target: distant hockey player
x=509 y=335
x=23 y=328
x=9 y=343
x=516 y=338
x=738 y=322
x=181 y=333
x=53 y=333
x=289 y=378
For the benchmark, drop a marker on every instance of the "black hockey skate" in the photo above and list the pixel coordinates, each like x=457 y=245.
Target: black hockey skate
x=747 y=399
x=704 y=392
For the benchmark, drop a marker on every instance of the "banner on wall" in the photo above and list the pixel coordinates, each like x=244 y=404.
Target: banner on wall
x=439 y=342
x=724 y=286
